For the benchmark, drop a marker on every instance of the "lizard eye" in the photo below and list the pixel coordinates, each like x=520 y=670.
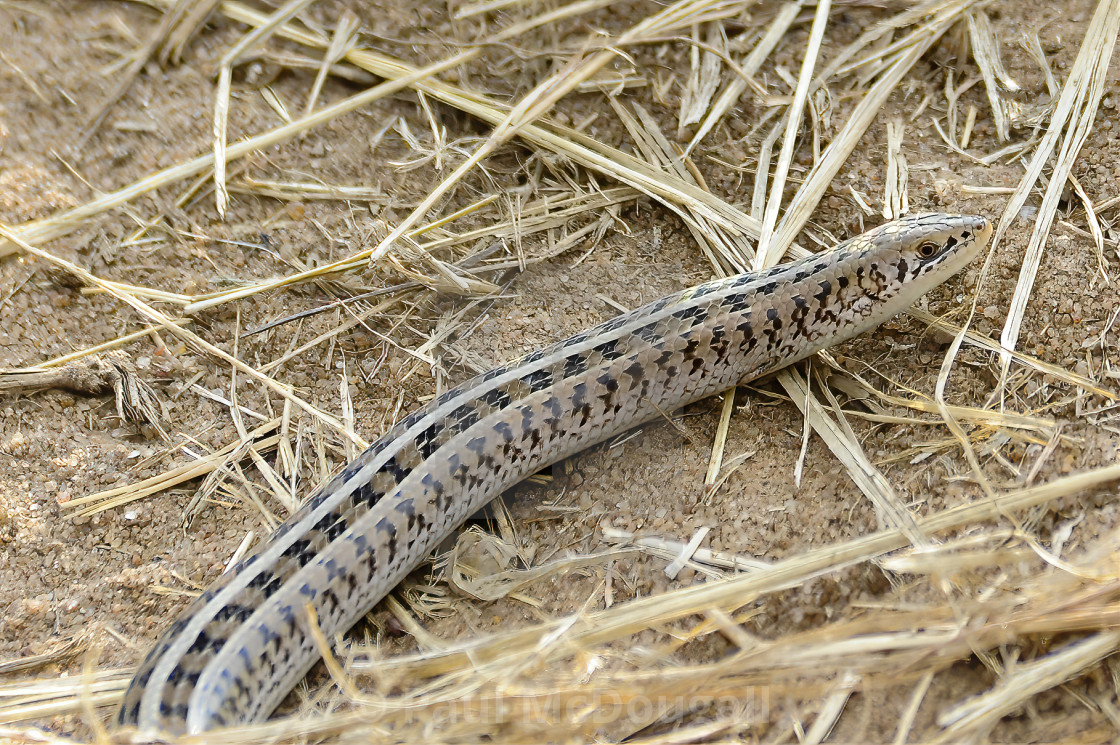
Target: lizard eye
x=928 y=250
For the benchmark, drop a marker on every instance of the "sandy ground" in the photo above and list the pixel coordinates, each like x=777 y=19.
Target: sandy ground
x=62 y=577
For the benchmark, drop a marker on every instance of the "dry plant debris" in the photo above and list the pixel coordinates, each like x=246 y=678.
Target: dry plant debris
x=137 y=401
x=380 y=202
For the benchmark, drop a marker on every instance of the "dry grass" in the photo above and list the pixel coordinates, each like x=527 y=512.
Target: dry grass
x=979 y=573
